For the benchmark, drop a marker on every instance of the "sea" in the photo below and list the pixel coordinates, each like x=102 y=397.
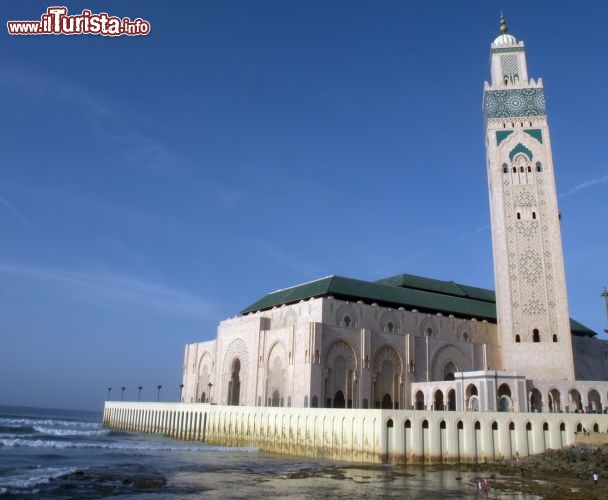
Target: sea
x=61 y=454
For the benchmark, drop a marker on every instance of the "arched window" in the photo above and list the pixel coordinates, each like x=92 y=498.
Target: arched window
x=346 y=321
x=521 y=169
x=535 y=335
x=534 y=215
x=514 y=170
x=390 y=327
x=505 y=168
x=517 y=339
x=539 y=166
x=529 y=168
x=518 y=216
x=554 y=338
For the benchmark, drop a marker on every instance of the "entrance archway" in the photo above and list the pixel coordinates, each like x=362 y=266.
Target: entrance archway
x=555 y=401
x=438 y=401
x=472 y=398
x=419 y=405
x=536 y=401
x=387 y=402
x=505 y=403
x=452 y=400
x=575 y=401
x=339 y=401
x=234 y=386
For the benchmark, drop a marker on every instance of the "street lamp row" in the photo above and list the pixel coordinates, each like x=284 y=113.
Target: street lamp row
x=139 y=388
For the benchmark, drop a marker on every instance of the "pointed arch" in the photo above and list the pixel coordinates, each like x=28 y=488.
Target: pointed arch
x=341 y=363
x=387 y=373
x=276 y=376
x=233 y=372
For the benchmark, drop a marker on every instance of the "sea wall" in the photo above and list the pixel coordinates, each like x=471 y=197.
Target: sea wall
x=373 y=436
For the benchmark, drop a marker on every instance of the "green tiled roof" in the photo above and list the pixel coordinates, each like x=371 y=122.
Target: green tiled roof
x=403 y=290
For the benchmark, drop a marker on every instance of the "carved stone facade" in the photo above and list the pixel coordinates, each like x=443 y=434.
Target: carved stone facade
x=325 y=352
x=531 y=295
x=409 y=342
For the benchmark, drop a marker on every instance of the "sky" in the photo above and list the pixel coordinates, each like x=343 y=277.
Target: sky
x=153 y=186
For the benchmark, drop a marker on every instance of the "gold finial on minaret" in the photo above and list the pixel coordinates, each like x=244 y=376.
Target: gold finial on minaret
x=503 y=24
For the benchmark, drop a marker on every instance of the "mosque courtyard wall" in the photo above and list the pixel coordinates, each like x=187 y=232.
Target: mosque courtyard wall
x=357 y=435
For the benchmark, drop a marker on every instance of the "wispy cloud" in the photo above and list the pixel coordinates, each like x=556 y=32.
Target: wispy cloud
x=585 y=185
x=115 y=289
x=228 y=197
x=475 y=232
x=283 y=258
x=135 y=146
x=15 y=213
x=45 y=85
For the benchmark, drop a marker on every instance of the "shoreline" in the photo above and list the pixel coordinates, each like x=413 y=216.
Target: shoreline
x=566 y=473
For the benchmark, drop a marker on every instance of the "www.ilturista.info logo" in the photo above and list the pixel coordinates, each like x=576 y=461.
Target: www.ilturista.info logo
x=57 y=22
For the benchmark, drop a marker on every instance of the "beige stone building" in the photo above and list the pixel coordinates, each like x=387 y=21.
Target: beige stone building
x=412 y=342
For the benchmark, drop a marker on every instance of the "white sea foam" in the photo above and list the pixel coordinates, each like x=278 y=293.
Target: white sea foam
x=32 y=477
x=52 y=431
x=45 y=443
x=23 y=422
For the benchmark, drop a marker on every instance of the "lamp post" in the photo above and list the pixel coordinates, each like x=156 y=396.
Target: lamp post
x=209 y=396
x=181 y=389
x=122 y=394
x=605 y=295
x=109 y=391
x=159 y=387
x=139 y=392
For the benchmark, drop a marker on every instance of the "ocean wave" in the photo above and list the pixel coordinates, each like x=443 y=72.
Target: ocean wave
x=33 y=477
x=44 y=443
x=52 y=431
x=21 y=429
x=31 y=422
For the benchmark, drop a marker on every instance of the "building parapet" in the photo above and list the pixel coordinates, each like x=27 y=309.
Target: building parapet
x=354 y=435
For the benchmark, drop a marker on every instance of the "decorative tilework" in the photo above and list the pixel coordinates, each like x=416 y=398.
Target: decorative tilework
x=514 y=103
x=510 y=68
x=507 y=49
x=524 y=198
x=501 y=135
x=520 y=148
x=536 y=133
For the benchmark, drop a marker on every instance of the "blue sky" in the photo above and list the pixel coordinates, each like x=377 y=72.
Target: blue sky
x=153 y=186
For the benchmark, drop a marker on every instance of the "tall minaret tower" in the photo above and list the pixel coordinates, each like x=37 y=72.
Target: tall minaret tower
x=531 y=300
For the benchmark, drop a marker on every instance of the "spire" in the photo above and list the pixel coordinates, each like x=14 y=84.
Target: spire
x=503 y=24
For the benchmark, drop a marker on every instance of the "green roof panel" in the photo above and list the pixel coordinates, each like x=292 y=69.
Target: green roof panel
x=402 y=290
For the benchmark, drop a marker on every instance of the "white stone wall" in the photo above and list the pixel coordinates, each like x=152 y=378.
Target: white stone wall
x=373 y=436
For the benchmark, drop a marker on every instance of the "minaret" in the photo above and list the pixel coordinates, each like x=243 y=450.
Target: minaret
x=531 y=300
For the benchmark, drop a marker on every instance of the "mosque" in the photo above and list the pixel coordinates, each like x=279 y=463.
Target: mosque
x=409 y=342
